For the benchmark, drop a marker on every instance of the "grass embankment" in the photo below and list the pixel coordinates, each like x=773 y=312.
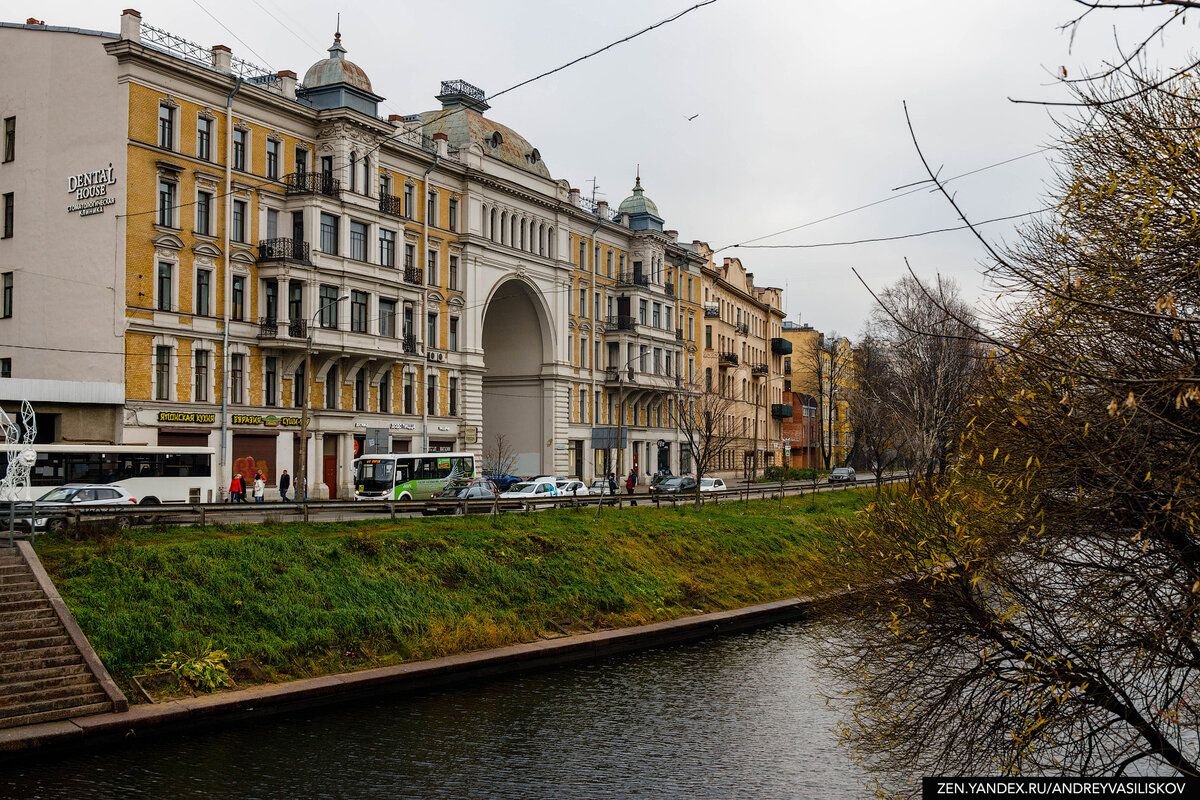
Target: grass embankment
x=300 y=600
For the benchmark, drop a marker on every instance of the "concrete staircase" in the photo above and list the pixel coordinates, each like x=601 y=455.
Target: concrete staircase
x=47 y=669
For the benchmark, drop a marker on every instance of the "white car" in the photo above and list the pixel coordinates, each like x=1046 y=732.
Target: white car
x=572 y=488
x=530 y=490
x=712 y=485
x=79 y=494
x=600 y=487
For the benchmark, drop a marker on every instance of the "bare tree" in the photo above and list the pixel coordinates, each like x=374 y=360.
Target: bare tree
x=499 y=457
x=873 y=408
x=704 y=418
x=824 y=372
x=1051 y=624
x=933 y=365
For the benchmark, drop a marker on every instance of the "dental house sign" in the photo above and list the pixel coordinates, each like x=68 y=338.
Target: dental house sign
x=91 y=190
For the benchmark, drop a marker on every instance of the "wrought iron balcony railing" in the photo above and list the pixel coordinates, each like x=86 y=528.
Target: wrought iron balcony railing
x=391 y=204
x=271 y=328
x=727 y=359
x=712 y=310
x=669 y=289
x=312 y=183
x=632 y=279
x=622 y=322
x=284 y=250
x=414 y=275
x=408 y=343
x=758 y=369
x=741 y=328
x=679 y=334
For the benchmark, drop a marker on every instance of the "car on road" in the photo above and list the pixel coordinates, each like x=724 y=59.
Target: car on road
x=842 y=475
x=503 y=482
x=712 y=485
x=680 y=485
x=531 y=490
x=600 y=487
x=659 y=477
x=461 y=489
x=572 y=488
x=75 y=495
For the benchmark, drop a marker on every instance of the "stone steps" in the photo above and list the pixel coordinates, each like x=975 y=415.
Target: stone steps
x=43 y=674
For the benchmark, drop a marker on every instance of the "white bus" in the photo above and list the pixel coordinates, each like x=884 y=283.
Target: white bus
x=153 y=475
x=408 y=476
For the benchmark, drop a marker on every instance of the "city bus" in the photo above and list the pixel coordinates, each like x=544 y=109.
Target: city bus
x=153 y=475
x=408 y=476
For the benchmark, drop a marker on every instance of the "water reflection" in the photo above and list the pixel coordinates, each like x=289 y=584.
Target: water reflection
x=740 y=716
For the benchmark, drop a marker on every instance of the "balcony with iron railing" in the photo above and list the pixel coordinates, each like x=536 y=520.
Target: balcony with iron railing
x=758 y=369
x=741 y=328
x=312 y=183
x=679 y=334
x=787 y=369
x=633 y=279
x=408 y=344
x=392 y=204
x=614 y=375
x=727 y=359
x=712 y=310
x=271 y=328
x=669 y=289
x=284 y=250
x=414 y=275
x=622 y=322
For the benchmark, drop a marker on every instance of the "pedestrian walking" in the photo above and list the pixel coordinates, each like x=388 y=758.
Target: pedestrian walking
x=260 y=488
x=629 y=484
x=285 y=483
x=612 y=484
x=241 y=488
x=235 y=487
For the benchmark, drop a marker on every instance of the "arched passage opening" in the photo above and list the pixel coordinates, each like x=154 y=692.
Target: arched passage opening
x=517 y=409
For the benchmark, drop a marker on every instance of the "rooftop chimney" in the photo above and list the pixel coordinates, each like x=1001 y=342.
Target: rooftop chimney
x=131 y=25
x=442 y=143
x=602 y=209
x=222 y=58
x=573 y=196
x=396 y=119
x=287 y=83
x=674 y=235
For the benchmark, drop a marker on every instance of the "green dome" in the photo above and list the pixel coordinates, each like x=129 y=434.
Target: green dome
x=638 y=203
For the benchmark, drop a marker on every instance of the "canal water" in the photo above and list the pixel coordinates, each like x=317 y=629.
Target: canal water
x=741 y=716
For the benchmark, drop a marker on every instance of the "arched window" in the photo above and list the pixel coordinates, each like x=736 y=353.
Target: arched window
x=524 y=226
x=504 y=227
x=366 y=176
x=492 y=226
x=512 y=234
x=353 y=170
x=484 y=224
x=541 y=240
x=550 y=247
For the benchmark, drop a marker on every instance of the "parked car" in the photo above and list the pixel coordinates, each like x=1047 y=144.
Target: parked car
x=74 y=495
x=530 y=490
x=659 y=477
x=461 y=489
x=842 y=475
x=503 y=482
x=600 y=487
x=679 y=485
x=572 y=488
x=712 y=485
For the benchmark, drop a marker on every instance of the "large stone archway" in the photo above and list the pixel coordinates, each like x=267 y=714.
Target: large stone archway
x=517 y=347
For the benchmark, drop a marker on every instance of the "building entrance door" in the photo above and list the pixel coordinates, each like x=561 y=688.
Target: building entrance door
x=329 y=475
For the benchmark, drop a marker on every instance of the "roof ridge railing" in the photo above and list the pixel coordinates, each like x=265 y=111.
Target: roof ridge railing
x=187 y=50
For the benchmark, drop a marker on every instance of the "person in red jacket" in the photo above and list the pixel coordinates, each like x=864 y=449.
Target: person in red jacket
x=236 y=487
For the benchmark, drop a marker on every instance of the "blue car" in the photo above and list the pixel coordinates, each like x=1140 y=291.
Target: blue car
x=503 y=482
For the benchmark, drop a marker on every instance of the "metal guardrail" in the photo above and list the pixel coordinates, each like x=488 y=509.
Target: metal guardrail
x=120 y=517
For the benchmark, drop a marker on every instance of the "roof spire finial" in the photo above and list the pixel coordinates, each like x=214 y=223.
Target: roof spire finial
x=338 y=31
x=637 y=183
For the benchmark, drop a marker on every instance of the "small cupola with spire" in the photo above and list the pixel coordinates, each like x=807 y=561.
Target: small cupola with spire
x=336 y=82
x=642 y=212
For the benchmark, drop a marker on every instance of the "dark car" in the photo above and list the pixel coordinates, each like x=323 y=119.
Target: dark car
x=659 y=477
x=503 y=482
x=462 y=489
x=843 y=475
x=679 y=485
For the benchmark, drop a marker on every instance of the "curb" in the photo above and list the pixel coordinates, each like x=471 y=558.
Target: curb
x=419 y=676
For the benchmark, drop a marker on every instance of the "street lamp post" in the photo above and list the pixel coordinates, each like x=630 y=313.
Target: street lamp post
x=307 y=398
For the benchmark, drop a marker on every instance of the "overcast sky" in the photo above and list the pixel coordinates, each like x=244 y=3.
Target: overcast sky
x=799 y=106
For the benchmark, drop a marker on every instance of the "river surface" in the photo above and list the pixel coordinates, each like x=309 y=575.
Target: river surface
x=729 y=717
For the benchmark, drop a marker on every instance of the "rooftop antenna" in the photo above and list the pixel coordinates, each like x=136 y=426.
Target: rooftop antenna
x=595 y=186
x=338 y=32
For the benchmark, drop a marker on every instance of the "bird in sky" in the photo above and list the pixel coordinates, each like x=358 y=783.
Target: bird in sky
x=692 y=117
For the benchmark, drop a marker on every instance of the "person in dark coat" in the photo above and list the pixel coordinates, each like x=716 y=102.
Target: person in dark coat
x=612 y=484
x=241 y=491
x=629 y=483
x=285 y=483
